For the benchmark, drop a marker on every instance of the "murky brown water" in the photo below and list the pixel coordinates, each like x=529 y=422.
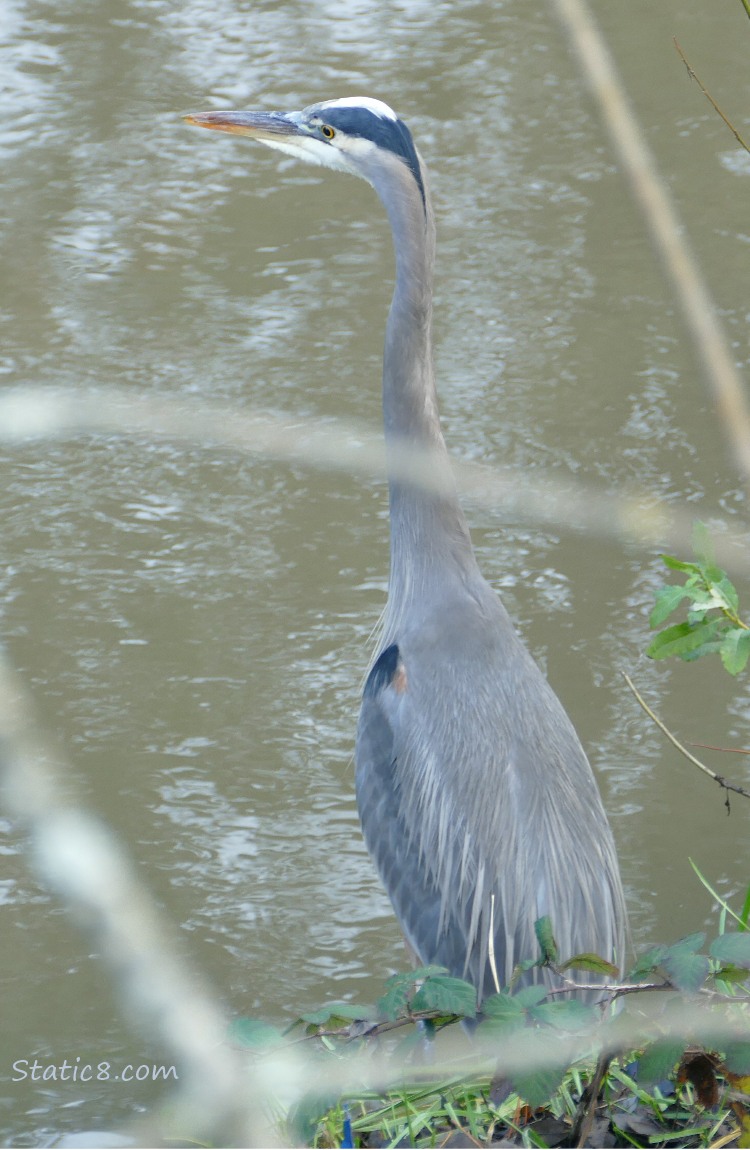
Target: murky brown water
x=194 y=625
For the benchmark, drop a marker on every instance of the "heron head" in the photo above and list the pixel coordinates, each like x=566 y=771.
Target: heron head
x=356 y=134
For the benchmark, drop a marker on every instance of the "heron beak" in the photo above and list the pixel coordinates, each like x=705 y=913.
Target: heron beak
x=269 y=127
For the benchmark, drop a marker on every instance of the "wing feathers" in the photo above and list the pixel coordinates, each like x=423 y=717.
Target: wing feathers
x=501 y=808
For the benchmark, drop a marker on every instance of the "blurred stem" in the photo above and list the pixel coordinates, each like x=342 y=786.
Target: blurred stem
x=657 y=204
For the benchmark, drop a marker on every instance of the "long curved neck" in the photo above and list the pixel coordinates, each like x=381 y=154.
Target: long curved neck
x=430 y=543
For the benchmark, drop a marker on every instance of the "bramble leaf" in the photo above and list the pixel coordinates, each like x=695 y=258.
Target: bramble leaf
x=658 y=1060
x=252 y=1032
x=335 y=1016
x=733 y=948
x=503 y=1012
x=687 y=969
x=536 y=1086
x=647 y=964
x=400 y=988
x=530 y=995
x=570 y=1015
x=446 y=995
x=737 y=1058
x=593 y=963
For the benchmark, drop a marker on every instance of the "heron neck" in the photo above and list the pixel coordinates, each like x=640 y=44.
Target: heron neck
x=428 y=528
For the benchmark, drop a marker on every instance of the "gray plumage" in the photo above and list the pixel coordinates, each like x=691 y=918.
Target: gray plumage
x=472 y=786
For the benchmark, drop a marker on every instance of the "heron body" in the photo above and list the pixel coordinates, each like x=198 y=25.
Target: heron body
x=476 y=798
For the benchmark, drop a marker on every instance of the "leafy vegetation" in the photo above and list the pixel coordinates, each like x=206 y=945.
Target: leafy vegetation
x=539 y=1069
x=713 y=623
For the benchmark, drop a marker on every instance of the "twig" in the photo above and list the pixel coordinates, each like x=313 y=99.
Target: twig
x=724 y=750
x=694 y=76
x=616 y=989
x=587 y=1106
x=722 y=782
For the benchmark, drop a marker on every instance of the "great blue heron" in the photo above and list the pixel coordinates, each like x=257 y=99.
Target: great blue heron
x=477 y=801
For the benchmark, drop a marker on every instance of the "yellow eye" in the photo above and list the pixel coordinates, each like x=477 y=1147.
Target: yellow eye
x=327 y=131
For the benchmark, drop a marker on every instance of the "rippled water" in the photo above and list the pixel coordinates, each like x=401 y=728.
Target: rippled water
x=194 y=624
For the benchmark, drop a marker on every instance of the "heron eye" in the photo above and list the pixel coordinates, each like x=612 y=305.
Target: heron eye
x=327 y=131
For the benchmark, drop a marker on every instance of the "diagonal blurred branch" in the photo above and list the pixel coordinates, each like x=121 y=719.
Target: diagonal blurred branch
x=634 y=516
x=659 y=212
x=78 y=856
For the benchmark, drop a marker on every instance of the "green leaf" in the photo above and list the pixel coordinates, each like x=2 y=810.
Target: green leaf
x=400 y=988
x=703 y=599
x=530 y=995
x=503 y=1012
x=735 y=649
x=416 y=975
x=680 y=565
x=728 y=592
x=568 y=1015
x=393 y=1004
x=658 y=1060
x=305 y=1116
x=731 y=974
x=521 y=968
x=545 y=938
x=252 y=1032
x=647 y=964
x=737 y=1057
x=335 y=1016
x=686 y=969
x=593 y=963
x=683 y=640
x=446 y=995
x=732 y=948
x=536 y=1086
x=666 y=600
x=689 y=944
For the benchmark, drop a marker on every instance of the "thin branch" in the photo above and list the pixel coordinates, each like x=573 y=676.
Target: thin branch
x=584 y=1119
x=616 y=989
x=694 y=76
x=722 y=782
x=724 y=750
